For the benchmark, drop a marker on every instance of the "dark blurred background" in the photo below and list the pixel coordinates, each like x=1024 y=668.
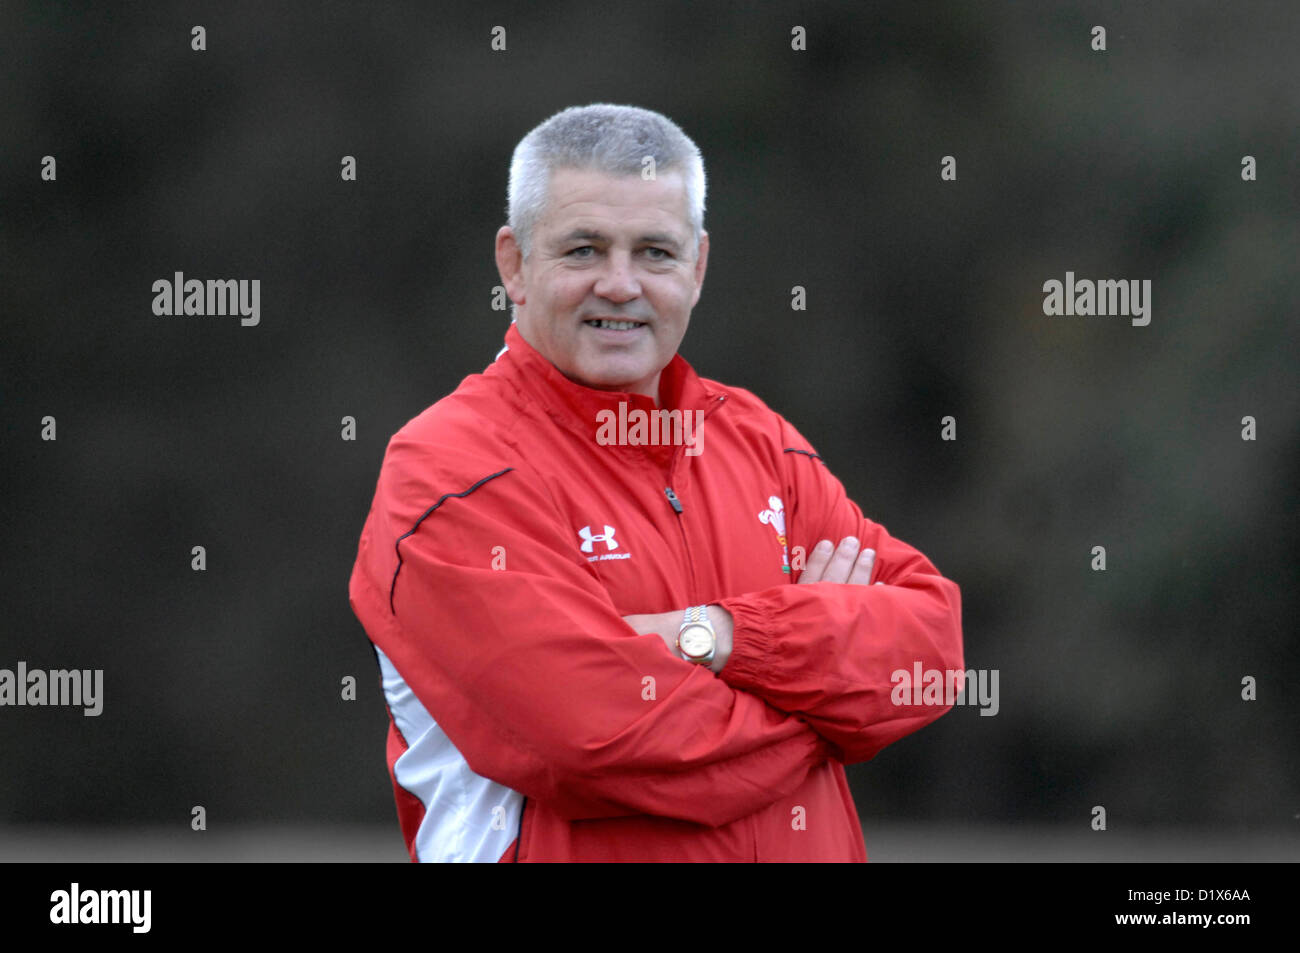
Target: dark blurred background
x=222 y=688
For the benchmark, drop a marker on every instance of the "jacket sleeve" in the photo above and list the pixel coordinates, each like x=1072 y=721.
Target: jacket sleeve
x=827 y=651
x=531 y=671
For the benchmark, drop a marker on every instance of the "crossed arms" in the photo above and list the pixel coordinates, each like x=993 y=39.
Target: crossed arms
x=545 y=688
x=848 y=564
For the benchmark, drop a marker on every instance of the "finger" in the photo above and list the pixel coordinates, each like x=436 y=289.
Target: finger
x=861 y=575
x=841 y=564
x=817 y=560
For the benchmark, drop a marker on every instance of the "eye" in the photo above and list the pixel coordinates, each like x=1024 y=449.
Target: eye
x=574 y=253
x=659 y=254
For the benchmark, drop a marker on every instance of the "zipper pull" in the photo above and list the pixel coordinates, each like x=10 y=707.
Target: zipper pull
x=672 y=499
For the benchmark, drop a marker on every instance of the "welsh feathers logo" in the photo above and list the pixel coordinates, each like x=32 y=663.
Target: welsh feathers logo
x=774 y=517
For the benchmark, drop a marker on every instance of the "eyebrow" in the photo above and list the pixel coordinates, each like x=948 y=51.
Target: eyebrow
x=587 y=234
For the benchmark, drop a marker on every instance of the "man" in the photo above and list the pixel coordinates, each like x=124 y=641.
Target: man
x=583 y=570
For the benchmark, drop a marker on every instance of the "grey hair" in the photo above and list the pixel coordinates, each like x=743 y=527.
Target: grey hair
x=604 y=138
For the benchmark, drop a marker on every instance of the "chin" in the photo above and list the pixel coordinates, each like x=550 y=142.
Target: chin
x=613 y=383
x=615 y=378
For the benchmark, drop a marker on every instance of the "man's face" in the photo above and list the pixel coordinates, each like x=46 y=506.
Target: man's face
x=607 y=247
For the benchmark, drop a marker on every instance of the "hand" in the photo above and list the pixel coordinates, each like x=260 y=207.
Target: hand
x=666 y=624
x=662 y=624
x=844 y=563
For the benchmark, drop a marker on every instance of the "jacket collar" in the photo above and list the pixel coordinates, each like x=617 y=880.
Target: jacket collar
x=576 y=406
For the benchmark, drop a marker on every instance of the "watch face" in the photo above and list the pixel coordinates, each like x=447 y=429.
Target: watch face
x=695 y=641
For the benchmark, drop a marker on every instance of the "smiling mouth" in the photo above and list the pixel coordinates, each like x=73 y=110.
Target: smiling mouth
x=613 y=325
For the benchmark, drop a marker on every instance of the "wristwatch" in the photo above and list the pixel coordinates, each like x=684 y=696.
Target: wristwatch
x=696 y=640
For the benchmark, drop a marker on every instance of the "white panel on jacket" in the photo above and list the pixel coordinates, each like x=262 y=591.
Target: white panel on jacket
x=467 y=817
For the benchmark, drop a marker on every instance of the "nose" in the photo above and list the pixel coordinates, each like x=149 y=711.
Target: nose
x=617 y=280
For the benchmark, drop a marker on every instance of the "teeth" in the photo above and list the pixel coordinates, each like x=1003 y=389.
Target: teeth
x=616 y=325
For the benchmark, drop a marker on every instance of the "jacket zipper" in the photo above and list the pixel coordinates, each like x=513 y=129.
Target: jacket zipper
x=675 y=502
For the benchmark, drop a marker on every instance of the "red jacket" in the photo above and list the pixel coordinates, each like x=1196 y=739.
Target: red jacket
x=528 y=722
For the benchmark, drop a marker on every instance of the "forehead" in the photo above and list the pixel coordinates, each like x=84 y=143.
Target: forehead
x=588 y=198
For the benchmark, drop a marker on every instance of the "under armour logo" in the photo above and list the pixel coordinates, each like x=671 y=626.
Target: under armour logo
x=588 y=540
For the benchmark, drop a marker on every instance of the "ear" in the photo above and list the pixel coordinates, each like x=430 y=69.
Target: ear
x=510 y=264
x=701 y=263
